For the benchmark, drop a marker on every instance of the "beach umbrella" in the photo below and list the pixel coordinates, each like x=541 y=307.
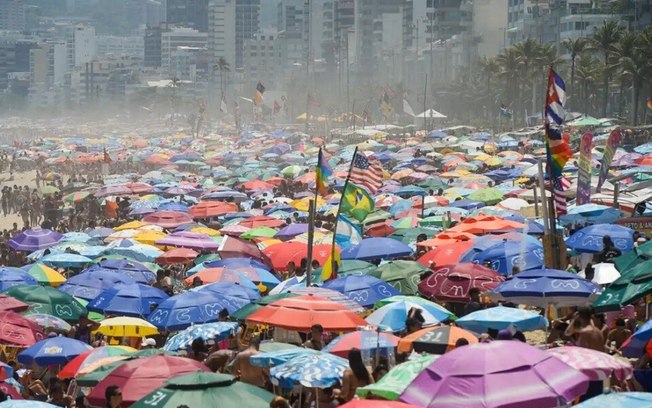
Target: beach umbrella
x=186 y=239
x=506 y=255
x=137 y=378
x=148 y=237
x=489 y=196
x=485 y=224
x=358 y=403
x=392 y=384
x=132 y=249
x=632 y=285
x=597 y=365
x=349 y=267
x=435 y=340
x=18 y=330
x=185 y=309
x=365 y=341
x=168 y=219
x=10 y=276
x=480 y=375
x=501 y=317
x=291 y=231
x=177 y=256
x=603 y=273
x=134 y=300
x=34 y=239
x=542 y=287
x=205 y=390
x=589 y=239
x=292 y=251
x=89 y=284
x=49 y=300
x=302 y=312
x=445 y=254
x=376 y=248
x=208 y=209
x=224 y=275
x=126 y=327
x=451 y=283
x=247 y=310
x=233 y=290
x=329 y=294
x=20 y=403
x=209 y=332
x=89 y=359
x=277 y=357
x=618 y=400
x=93 y=377
x=138 y=271
x=319 y=370
x=49 y=322
x=403 y=275
x=52 y=351
x=259 y=232
x=392 y=316
x=65 y=260
x=44 y=275
x=8 y=303
x=365 y=290
x=99 y=232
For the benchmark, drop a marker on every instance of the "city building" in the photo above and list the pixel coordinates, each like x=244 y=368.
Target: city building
x=152 y=47
x=489 y=26
x=263 y=59
x=177 y=38
x=115 y=46
x=12 y=15
x=230 y=23
x=187 y=13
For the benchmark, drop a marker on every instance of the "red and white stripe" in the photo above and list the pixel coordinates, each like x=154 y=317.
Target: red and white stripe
x=559 y=187
x=367 y=172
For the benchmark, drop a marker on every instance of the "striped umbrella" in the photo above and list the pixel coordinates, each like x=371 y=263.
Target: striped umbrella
x=45 y=275
x=209 y=332
x=397 y=379
x=318 y=370
x=597 y=365
x=49 y=322
x=82 y=362
x=277 y=357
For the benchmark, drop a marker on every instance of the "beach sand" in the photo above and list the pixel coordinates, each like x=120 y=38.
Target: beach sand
x=20 y=179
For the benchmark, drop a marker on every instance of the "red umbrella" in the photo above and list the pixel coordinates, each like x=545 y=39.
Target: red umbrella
x=485 y=224
x=301 y=312
x=447 y=238
x=445 y=254
x=294 y=251
x=451 y=283
x=262 y=221
x=177 y=256
x=8 y=303
x=379 y=230
x=139 y=377
x=168 y=219
x=207 y=209
x=139 y=188
x=232 y=247
x=15 y=330
x=10 y=391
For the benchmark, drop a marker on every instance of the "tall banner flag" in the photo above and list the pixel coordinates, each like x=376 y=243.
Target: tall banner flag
x=323 y=172
x=584 y=170
x=612 y=145
x=386 y=106
x=223 y=105
x=260 y=90
x=407 y=109
x=557 y=150
x=106 y=158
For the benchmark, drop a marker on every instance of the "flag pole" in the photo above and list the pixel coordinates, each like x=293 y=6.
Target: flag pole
x=311 y=237
x=339 y=210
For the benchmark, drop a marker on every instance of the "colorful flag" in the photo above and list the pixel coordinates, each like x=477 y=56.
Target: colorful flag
x=555 y=99
x=583 y=195
x=610 y=149
x=346 y=234
x=107 y=158
x=366 y=172
x=557 y=150
x=332 y=265
x=559 y=185
x=324 y=171
x=356 y=202
x=260 y=90
x=649 y=103
x=407 y=109
x=506 y=111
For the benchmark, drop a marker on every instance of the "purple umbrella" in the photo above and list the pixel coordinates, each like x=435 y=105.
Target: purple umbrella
x=34 y=239
x=291 y=231
x=503 y=373
x=186 y=239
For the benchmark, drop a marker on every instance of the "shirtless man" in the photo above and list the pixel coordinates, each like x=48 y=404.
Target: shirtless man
x=243 y=368
x=583 y=330
x=618 y=335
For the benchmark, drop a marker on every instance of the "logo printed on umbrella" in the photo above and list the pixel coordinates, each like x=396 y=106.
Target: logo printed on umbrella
x=564 y=283
x=213 y=309
x=8 y=332
x=523 y=283
x=182 y=315
x=53 y=350
x=63 y=310
x=159 y=316
x=384 y=290
x=360 y=296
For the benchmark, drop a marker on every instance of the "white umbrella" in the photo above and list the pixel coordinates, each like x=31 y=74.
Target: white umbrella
x=431 y=113
x=604 y=273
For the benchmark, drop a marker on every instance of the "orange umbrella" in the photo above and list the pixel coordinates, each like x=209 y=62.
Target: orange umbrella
x=445 y=254
x=177 y=256
x=275 y=181
x=485 y=224
x=253 y=185
x=262 y=221
x=207 y=209
x=434 y=340
x=447 y=238
x=302 y=312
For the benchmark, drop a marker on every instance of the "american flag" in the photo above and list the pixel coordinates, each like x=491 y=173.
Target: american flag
x=559 y=186
x=366 y=172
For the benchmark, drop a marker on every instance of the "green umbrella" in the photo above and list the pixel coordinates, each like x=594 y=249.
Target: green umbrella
x=377 y=216
x=403 y=275
x=259 y=232
x=207 y=258
x=202 y=389
x=94 y=316
x=634 y=257
x=45 y=299
x=433 y=183
x=244 y=312
x=489 y=196
x=91 y=379
x=632 y=285
x=409 y=235
x=293 y=171
x=49 y=190
x=397 y=379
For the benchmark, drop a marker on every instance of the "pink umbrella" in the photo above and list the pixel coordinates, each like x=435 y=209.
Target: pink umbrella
x=503 y=373
x=113 y=190
x=187 y=239
x=168 y=219
x=597 y=365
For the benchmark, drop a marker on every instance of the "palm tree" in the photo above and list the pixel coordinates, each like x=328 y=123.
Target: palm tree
x=528 y=51
x=604 y=39
x=587 y=73
x=222 y=67
x=509 y=71
x=624 y=49
x=574 y=47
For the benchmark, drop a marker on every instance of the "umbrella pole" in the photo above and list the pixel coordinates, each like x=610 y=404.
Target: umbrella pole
x=311 y=237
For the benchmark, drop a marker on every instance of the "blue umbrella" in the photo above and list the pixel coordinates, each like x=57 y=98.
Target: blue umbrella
x=635 y=347
x=400 y=206
x=393 y=315
x=209 y=332
x=230 y=289
x=185 y=309
x=377 y=248
x=88 y=285
x=589 y=239
x=410 y=191
x=274 y=358
x=617 y=400
x=542 y=287
x=52 y=351
x=76 y=237
x=319 y=370
x=507 y=254
x=134 y=269
x=100 y=232
x=501 y=317
x=363 y=289
x=173 y=206
x=34 y=239
x=10 y=276
x=127 y=300
x=66 y=260
x=467 y=204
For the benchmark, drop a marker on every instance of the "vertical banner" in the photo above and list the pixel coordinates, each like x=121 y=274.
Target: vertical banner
x=612 y=145
x=584 y=170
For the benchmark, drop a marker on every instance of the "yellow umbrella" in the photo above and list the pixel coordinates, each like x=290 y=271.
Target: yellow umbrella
x=149 y=237
x=494 y=161
x=303 y=204
x=130 y=225
x=205 y=230
x=126 y=327
x=402 y=174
